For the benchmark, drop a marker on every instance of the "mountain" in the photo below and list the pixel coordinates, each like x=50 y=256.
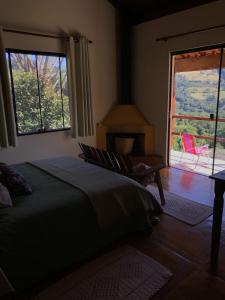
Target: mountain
x=196 y=95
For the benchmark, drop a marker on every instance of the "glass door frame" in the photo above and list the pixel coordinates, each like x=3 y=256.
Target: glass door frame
x=171 y=86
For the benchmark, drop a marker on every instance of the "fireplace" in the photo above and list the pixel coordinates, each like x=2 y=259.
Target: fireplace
x=137 y=146
x=126 y=121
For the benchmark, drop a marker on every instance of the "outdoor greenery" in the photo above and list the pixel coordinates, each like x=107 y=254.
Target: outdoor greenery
x=41 y=94
x=196 y=95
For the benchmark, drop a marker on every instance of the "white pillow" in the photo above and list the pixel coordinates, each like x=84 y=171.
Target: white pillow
x=5 y=199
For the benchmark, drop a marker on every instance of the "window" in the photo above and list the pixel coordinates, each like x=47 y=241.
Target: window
x=40 y=92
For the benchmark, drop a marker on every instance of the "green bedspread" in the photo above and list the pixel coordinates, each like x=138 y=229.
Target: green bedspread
x=51 y=229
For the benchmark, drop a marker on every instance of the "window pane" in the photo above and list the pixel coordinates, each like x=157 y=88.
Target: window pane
x=25 y=92
x=39 y=87
x=50 y=92
x=65 y=95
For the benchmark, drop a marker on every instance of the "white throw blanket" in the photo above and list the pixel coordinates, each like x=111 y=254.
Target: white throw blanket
x=112 y=195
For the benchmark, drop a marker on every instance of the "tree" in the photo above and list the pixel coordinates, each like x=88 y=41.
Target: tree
x=39 y=93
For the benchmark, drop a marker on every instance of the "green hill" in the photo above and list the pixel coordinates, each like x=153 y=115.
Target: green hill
x=196 y=95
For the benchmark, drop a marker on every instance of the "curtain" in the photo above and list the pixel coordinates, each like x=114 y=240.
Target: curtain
x=72 y=86
x=80 y=88
x=8 y=135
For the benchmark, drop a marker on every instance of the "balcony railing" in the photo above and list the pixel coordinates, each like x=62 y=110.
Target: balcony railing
x=184 y=117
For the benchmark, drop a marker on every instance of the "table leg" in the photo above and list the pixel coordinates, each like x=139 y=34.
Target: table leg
x=217 y=221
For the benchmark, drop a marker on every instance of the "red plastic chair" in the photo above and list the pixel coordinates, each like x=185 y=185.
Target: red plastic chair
x=189 y=146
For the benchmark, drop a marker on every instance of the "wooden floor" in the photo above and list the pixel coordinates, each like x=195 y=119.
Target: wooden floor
x=185 y=249
x=182 y=248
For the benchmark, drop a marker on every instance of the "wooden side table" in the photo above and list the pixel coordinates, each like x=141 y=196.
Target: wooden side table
x=6 y=290
x=217 y=216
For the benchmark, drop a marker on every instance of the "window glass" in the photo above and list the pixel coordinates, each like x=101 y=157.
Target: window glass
x=39 y=89
x=49 y=85
x=25 y=92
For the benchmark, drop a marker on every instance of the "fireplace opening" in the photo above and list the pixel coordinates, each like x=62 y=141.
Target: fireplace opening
x=135 y=142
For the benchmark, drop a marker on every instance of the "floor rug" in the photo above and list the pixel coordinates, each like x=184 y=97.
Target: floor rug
x=124 y=273
x=183 y=209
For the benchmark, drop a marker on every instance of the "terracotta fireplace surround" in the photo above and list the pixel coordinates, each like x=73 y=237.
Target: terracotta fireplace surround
x=125 y=120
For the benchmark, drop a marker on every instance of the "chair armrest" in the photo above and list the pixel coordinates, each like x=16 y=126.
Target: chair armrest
x=202 y=149
x=148 y=171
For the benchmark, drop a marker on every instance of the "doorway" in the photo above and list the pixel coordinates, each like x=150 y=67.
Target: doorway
x=197 y=110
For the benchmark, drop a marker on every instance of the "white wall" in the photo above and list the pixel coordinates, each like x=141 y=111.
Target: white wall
x=151 y=59
x=93 y=18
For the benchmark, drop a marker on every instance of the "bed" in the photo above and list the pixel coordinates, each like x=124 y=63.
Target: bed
x=61 y=224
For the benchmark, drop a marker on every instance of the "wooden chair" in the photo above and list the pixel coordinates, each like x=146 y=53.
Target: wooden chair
x=122 y=164
x=189 y=146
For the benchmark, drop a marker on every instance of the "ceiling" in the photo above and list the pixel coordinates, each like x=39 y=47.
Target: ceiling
x=139 y=11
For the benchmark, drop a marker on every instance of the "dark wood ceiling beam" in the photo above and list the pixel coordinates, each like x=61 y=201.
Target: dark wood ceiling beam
x=139 y=11
x=131 y=12
x=124 y=59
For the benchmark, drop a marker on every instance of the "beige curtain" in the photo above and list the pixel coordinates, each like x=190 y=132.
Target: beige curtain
x=80 y=88
x=72 y=85
x=8 y=135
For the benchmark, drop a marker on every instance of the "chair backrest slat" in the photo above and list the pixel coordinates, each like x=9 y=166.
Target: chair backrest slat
x=188 y=143
x=100 y=156
x=123 y=166
x=109 y=160
x=116 y=164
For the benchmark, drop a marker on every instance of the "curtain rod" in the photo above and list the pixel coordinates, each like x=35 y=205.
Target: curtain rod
x=169 y=37
x=33 y=33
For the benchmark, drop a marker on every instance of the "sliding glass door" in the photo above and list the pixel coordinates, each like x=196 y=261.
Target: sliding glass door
x=197 y=111
x=219 y=150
